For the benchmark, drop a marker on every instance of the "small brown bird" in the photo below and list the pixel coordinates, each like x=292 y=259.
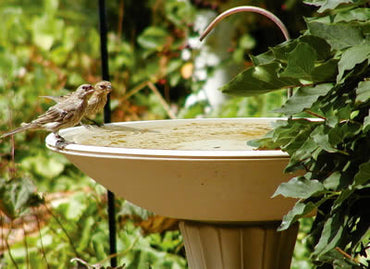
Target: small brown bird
x=66 y=113
x=99 y=98
x=96 y=102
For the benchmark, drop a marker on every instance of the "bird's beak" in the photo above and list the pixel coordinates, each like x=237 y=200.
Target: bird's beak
x=109 y=88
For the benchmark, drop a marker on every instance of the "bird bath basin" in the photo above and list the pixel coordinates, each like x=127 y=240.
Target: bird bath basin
x=202 y=172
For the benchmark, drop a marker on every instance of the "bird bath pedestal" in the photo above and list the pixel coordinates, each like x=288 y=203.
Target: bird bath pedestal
x=202 y=172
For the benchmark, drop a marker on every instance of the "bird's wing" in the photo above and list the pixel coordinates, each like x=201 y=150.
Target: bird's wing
x=61 y=112
x=56 y=99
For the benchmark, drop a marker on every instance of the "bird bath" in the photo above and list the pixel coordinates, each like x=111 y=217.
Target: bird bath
x=202 y=172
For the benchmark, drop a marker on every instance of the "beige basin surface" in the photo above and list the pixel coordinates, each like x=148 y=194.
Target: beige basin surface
x=216 y=178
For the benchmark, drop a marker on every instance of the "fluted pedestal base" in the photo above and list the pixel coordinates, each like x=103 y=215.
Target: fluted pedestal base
x=247 y=246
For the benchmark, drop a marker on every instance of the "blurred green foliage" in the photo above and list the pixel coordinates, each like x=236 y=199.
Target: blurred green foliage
x=329 y=67
x=49 y=47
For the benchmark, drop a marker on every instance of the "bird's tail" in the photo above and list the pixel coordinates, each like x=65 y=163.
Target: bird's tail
x=23 y=127
x=56 y=99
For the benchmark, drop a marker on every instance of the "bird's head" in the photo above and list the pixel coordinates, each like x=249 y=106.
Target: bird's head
x=84 y=90
x=103 y=87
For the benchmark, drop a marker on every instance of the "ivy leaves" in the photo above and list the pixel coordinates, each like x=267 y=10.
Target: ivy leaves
x=299 y=187
x=329 y=68
x=351 y=57
x=296 y=63
x=301 y=62
x=258 y=79
x=17 y=196
x=330 y=47
x=303 y=99
x=327 y=4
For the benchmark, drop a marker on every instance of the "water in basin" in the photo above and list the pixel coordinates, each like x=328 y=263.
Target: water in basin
x=183 y=135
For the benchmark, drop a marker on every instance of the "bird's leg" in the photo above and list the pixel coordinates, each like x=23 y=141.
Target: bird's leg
x=61 y=143
x=92 y=122
x=59 y=137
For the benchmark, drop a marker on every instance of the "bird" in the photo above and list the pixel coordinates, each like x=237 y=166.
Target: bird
x=99 y=98
x=66 y=113
x=96 y=102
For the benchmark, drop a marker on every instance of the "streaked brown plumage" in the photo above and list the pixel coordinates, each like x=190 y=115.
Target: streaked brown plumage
x=96 y=102
x=66 y=113
x=99 y=98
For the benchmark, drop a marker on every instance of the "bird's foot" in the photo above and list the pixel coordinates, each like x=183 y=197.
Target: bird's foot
x=94 y=123
x=89 y=126
x=61 y=143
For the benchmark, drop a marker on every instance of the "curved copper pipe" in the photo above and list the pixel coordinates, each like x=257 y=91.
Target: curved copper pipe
x=258 y=10
x=253 y=9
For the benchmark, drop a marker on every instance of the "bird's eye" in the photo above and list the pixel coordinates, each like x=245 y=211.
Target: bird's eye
x=102 y=86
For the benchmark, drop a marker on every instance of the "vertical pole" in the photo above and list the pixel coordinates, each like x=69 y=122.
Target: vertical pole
x=107 y=119
x=104 y=54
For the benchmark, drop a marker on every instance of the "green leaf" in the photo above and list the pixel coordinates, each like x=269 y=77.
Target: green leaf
x=299 y=187
x=358 y=14
x=351 y=57
x=366 y=126
x=247 y=42
x=46 y=30
x=303 y=99
x=333 y=181
x=325 y=72
x=86 y=231
x=342 y=131
x=343 y=198
x=179 y=12
x=51 y=6
x=16 y=196
x=299 y=210
x=363 y=91
x=327 y=4
x=321 y=137
x=75 y=207
x=321 y=46
x=48 y=167
x=153 y=38
x=99 y=250
x=363 y=175
x=264 y=58
x=306 y=151
x=339 y=35
x=281 y=52
x=257 y=80
x=292 y=134
x=301 y=62
x=331 y=234
x=44 y=165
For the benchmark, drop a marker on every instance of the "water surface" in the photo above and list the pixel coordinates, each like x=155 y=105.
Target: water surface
x=176 y=135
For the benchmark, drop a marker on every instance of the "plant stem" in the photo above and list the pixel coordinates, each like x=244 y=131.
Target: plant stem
x=314 y=114
x=135 y=89
x=122 y=253
x=161 y=100
x=63 y=229
x=26 y=244
x=8 y=247
x=345 y=254
x=41 y=242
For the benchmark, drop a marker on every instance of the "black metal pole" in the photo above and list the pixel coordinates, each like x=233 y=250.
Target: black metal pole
x=104 y=54
x=107 y=119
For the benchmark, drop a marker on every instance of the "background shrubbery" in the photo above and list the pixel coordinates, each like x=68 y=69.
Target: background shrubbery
x=50 y=211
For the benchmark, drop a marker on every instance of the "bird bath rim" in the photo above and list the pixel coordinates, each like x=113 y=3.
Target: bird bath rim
x=122 y=152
